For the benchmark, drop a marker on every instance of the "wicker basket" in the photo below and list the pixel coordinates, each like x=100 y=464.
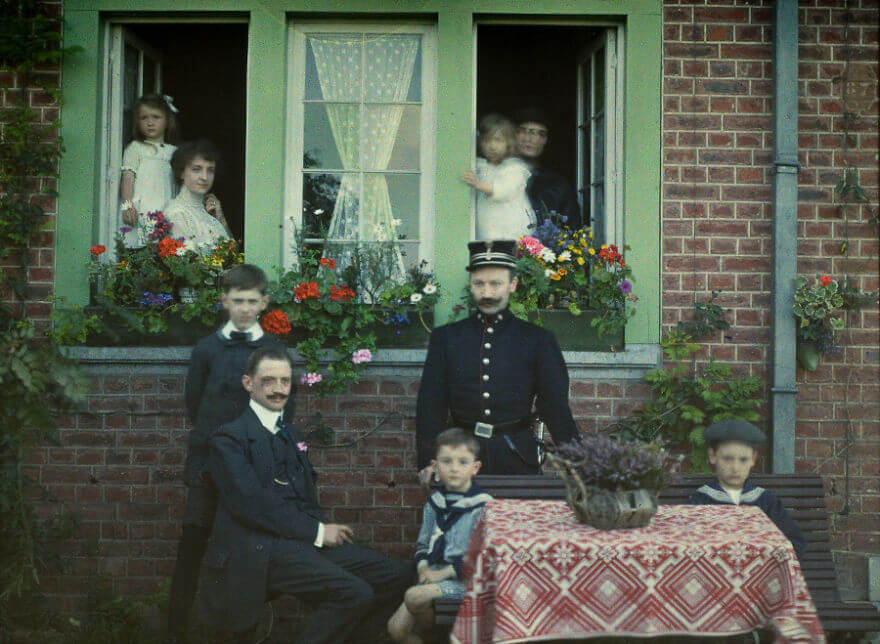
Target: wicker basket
x=602 y=508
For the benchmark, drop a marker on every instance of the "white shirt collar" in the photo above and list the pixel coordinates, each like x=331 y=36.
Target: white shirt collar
x=735 y=495
x=268 y=417
x=256 y=330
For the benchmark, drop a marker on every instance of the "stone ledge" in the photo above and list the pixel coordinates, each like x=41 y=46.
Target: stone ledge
x=630 y=364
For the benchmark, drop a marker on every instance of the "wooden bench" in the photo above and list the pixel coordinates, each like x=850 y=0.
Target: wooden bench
x=802 y=494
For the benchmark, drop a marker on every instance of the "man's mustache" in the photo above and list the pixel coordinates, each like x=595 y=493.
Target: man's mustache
x=487 y=301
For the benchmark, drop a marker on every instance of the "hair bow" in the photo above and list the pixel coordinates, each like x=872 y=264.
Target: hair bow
x=170 y=103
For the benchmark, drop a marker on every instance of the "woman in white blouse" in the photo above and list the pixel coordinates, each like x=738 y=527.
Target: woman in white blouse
x=195 y=214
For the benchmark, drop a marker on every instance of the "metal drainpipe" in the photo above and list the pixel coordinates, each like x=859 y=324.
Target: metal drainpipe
x=785 y=198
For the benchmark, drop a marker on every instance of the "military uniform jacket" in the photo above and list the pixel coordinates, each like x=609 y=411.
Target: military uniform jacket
x=214 y=394
x=250 y=516
x=491 y=370
x=714 y=494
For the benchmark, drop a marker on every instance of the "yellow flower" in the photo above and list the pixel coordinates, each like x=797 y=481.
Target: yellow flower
x=577 y=251
x=580 y=261
x=591 y=250
x=562 y=272
x=604 y=246
x=556 y=277
x=122 y=264
x=590 y=234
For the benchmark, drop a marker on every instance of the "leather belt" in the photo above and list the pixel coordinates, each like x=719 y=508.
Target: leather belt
x=487 y=430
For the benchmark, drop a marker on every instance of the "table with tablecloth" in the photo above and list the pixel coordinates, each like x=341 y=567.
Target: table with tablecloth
x=534 y=572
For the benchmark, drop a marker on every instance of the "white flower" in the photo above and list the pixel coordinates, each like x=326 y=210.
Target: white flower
x=319 y=211
x=415 y=297
x=395 y=223
x=564 y=256
x=429 y=289
x=548 y=272
x=548 y=255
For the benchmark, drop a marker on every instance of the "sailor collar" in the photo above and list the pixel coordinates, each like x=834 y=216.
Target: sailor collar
x=750 y=493
x=474 y=497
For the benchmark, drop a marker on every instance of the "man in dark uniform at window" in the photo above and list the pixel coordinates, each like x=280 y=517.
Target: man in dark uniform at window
x=484 y=373
x=547 y=190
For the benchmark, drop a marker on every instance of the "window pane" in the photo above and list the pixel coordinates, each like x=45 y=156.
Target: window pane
x=599 y=149
x=330 y=135
x=599 y=89
x=129 y=88
x=320 y=192
x=403 y=193
x=390 y=137
x=390 y=66
x=415 y=87
x=336 y=75
x=149 y=76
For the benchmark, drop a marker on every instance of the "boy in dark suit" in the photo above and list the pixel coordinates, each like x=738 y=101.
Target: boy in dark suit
x=269 y=537
x=214 y=395
x=733 y=454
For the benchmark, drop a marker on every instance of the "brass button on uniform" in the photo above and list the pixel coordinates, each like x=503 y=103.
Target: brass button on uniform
x=487 y=345
x=485 y=360
x=487 y=412
x=485 y=377
x=486 y=394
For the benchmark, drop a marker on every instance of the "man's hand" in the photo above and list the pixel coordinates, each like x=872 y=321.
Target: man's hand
x=427 y=474
x=336 y=534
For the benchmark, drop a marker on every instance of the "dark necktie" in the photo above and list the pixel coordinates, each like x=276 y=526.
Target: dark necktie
x=239 y=336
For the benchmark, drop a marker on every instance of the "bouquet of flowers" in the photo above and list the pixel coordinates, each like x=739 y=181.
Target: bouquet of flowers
x=560 y=268
x=816 y=305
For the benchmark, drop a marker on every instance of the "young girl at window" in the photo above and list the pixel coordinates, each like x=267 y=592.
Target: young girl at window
x=503 y=208
x=146 y=184
x=196 y=216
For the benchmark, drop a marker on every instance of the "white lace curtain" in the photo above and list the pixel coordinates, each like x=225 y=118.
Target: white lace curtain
x=371 y=68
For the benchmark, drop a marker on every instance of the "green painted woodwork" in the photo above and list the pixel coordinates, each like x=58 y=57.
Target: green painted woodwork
x=266 y=99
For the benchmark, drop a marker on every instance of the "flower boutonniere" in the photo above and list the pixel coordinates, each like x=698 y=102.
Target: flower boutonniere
x=301 y=446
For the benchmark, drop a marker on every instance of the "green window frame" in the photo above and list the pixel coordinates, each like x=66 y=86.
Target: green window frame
x=267 y=67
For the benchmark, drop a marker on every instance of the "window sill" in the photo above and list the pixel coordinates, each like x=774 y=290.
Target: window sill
x=630 y=364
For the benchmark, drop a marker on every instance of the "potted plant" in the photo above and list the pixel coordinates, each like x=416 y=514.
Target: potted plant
x=613 y=483
x=581 y=292
x=818 y=306
x=168 y=290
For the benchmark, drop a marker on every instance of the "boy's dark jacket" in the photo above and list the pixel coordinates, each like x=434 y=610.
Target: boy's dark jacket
x=714 y=494
x=214 y=393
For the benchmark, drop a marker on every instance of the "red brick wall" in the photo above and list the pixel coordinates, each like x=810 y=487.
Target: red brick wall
x=717 y=218
x=119 y=466
x=40 y=260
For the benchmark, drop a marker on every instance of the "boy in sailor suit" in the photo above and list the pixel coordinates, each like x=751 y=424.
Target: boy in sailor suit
x=732 y=454
x=449 y=517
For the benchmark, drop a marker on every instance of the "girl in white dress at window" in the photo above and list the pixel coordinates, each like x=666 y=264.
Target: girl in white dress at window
x=147 y=184
x=503 y=208
x=195 y=215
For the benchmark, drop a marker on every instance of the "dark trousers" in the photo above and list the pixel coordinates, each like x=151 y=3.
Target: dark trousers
x=348 y=586
x=185 y=580
x=510 y=453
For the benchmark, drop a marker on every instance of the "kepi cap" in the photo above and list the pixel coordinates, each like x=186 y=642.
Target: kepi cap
x=492 y=252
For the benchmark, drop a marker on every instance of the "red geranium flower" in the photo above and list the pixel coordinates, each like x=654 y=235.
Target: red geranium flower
x=326 y=262
x=276 y=322
x=98 y=250
x=825 y=280
x=341 y=293
x=168 y=246
x=305 y=290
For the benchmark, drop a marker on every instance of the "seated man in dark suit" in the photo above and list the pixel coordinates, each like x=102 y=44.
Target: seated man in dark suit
x=269 y=537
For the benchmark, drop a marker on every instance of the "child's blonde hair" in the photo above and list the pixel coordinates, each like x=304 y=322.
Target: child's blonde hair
x=492 y=123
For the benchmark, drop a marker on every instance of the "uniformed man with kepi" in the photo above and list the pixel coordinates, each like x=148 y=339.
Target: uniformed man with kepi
x=485 y=372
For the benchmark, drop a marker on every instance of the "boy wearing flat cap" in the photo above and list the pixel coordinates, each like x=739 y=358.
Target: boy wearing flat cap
x=732 y=454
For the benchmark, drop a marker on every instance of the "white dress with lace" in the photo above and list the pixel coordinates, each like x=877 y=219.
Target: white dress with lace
x=153 y=185
x=507 y=213
x=191 y=223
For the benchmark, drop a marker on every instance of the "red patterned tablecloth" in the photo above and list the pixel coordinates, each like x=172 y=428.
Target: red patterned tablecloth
x=536 y=573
